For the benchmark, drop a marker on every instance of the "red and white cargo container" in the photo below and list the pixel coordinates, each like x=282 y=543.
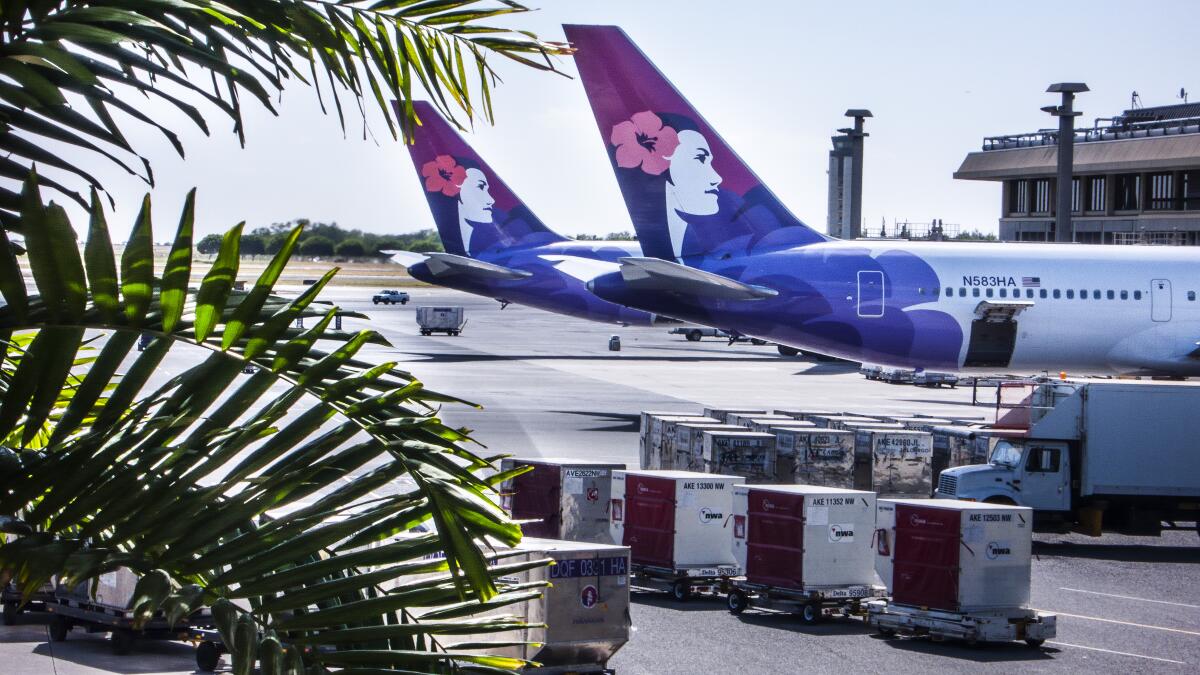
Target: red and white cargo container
x=804 y=548
x=563 y=498
x=957 y=569
x=744 y=453
x=675 y=525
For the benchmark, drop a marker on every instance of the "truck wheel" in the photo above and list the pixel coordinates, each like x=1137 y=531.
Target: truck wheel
x=208 y=657
x=694 y=336
x=11 y=611
x=737 y=602
x=404 y=302
x=887 y=632
x=122 y=641
x=375 y=300
x=59 y=627
x=681 y=591
x=810 y=613
x=1035 y=642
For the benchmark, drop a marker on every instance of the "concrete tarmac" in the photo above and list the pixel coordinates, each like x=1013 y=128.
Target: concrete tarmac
x=549 y=386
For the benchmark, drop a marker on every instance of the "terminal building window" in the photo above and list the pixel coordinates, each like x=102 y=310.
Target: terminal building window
x=1076 y=186
x=1041 y=195
x=1162 y=191
x=1018 y=198
x=1129 y=189
x=1097 y=193
x=1191 y=190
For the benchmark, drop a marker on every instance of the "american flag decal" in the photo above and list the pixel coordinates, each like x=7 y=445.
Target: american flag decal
x=1031 y=282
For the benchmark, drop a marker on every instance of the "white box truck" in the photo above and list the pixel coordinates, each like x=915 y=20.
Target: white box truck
x=1096 y=456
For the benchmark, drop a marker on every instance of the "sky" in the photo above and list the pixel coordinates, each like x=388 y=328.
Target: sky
x=773 y=77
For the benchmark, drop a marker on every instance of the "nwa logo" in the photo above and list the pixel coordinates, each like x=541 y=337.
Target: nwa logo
x=707 y=516
x=642 y=489
x=997 y=550
x=768 y=505
x=917 y=520
x=841 y=533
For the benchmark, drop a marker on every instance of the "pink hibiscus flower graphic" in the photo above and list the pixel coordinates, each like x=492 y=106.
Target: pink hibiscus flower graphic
x=443 y=175
x=643 y=141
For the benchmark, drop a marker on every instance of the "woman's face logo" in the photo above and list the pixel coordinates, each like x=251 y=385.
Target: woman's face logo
x=475 y=202
x=692 y=176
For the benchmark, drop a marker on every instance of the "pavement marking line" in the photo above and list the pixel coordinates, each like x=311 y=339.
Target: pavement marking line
x=1129 y=597
x=1123 y=623
x=1110 y=651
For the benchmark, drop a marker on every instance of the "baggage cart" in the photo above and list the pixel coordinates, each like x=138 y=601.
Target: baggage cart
x=1021 y=624
x=803 y=548
x=14 y=606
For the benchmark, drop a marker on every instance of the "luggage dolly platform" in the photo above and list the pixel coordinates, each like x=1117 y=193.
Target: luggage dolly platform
x=810 y=604
x=683 y=583
x=13 y=608
x=68 y=612
x=1030 y=625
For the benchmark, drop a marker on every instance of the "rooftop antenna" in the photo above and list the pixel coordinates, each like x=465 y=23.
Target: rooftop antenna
x=1135 y=101
x=1183 y=94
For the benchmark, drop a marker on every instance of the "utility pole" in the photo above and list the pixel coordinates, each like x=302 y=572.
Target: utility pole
x=852 y=228
x=1064 y=231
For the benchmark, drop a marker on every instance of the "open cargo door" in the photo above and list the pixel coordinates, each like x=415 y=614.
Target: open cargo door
x=650 y=520
x=775 y=538
x=537 y=495
x=994 y=333
x=926 y=567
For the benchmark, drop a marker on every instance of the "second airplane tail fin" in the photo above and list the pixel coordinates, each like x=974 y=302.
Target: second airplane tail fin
x=686 y=190
x=473 y=208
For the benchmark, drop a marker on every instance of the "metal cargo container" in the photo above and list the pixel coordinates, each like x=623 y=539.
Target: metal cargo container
x=650 y=440
x=748 y=454
x=675 y=520
x=448 y=320
x=745 y=419
x=956 y=556
x=814 y=457
x=921 y=423
x=666 y=436
x=768 y=427
x=689 y=443
x=724 y=413
x=893 y=463
x=804 y=413
x=827 y=421
x=840 y=421
x=761 y=424
x=855 y=426
x=644 y=427
x=567 y=498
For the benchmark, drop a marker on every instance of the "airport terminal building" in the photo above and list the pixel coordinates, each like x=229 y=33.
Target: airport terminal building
x=1136 y=179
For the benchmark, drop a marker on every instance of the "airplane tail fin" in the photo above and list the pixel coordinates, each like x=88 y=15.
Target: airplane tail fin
x=473 y=208
x=686 y=190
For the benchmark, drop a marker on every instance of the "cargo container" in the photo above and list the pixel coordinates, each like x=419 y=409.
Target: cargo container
x=897 y=463
x=745 y=453
x=831 y=421
x=745 y=419
x=874 y=424
x=956 y=569
x=564 y=498
x=814 y=457
x=804 y=413
x=650 y=435
x=448 y=320
x=921 y=423
x=763 y=424
x=803 y=548
x=1095 y=456
x=689 y=443
x=666 y=437
x=674 y=523
x=724 y=413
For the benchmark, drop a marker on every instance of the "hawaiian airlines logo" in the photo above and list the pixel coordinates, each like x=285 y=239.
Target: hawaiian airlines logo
x=707 y=516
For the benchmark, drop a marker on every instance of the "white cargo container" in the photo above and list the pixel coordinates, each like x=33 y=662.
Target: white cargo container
x=689 y=443
x=874 y=424
x=805 y=547
x=675 y=521
x=894 y=463
x=666 y=435
x=564 y=498
x=804 y=413
x=448 y=320
x=764 y=424
x=745 y=419
x=724 y=413
x=840 y=421
x=814 y=457
x=744 y=453
x=961 y=568
x=650 y=438
x=921 y=423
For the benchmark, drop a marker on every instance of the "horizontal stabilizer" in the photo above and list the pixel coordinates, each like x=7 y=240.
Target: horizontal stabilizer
x=447 y=264
x=583 y=269
x=655 y=274
x=405 y=258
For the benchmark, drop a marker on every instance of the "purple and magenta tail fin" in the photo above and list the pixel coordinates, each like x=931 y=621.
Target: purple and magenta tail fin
x=473 y=208
x=687 y=192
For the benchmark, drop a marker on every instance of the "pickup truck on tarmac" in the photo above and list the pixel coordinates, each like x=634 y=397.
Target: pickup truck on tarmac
x=390 y=297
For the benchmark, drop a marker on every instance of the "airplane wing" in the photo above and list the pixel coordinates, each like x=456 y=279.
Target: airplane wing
x=583 y=269
x=655 y=274
x=446 y=264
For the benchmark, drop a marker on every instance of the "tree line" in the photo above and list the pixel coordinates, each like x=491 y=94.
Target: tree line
x=326 y=239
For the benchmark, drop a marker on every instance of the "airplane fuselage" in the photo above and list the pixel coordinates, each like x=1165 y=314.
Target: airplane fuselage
x=961 y=306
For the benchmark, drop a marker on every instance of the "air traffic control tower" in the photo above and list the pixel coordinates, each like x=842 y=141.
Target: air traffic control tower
x=1136 y=179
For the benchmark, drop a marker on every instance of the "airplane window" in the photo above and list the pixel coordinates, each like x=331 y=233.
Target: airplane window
x=975 y=292
x=1111 y=295
x=989 y=292
x=1057 y=294
x=949 y=291
x=1042 y=293
x=1137 y=295
x=1096 y=295
x=962 y=292
x=1004 y=292
x=1070 y=294
x=1191 y=296
x=1029 y=292
x=1124 y=295
x=1083 y=294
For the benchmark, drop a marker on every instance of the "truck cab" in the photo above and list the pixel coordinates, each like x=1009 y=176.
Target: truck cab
x=1029 y=473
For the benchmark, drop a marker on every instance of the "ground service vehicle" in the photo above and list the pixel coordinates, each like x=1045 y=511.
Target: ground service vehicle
x=1095 y=455
x=448 y=320
x=934 y=379
x=390 y=298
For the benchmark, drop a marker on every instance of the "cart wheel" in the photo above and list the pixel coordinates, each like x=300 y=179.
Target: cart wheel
x=681 y=591
x=810 y=613
x=122 y=641
x=59 y=627
x=887 y=632
x=11 y=611
x=1035 y=642
x=208 y=657
x=737 y=602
